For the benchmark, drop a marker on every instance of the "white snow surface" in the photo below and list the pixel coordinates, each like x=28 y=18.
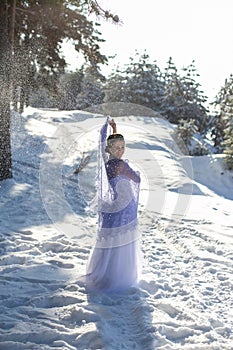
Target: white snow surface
x=185 y=296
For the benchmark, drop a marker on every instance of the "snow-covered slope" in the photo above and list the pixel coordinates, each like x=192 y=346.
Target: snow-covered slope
x=48 y=225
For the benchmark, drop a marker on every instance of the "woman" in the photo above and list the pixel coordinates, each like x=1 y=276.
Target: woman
x=115 y=262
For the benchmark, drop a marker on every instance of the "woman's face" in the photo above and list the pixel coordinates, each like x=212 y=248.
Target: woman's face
x=118 y=148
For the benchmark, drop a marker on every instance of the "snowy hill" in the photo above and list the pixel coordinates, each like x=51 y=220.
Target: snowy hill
x=48 y=226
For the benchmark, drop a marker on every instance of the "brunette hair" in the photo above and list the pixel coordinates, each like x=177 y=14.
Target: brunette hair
x=111 y=139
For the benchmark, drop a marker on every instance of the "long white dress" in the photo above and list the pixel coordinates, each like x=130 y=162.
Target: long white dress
x=115 y=261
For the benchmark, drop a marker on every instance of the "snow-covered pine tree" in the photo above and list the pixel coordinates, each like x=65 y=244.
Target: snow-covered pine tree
x=217 y=132
x=196 y=97
x=228 y=142
x=45 y=91
x=91 y=89
x=225 y=101
x=39 y=27
x=69 y=87
x=139 y=82
x=184 y=133
x=221 y=105
x=144 y=85
x=115 y=86
x=173 y=100
x=183 y=99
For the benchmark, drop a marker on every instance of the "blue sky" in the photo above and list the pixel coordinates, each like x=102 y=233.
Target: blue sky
x=186 y=30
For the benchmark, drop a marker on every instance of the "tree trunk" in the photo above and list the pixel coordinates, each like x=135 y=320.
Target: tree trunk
x=6 y=27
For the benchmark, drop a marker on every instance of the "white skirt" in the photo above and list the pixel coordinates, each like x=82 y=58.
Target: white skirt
x=114 y=269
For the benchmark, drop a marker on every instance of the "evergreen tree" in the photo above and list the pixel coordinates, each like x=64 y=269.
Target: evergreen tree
x=144 y=85
x=185 y=131
x=228 y=141
x=45 y=91
x=31 y=35
x=91 y=90
x=173 y=99
x=78 y=90
x=217 y=132
x=219 y=124
x=115 y=87
x=182 y=98
x=41 y=28
x=196 y=97
x=69 y=87
x=139 y=82
x=224 y=121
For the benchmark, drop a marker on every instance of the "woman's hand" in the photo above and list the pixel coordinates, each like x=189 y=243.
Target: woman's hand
x=113 y=125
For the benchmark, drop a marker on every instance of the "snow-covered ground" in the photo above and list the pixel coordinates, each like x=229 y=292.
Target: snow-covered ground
x=185 y=297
